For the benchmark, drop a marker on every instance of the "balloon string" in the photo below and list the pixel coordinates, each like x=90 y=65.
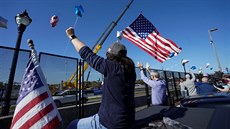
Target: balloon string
x=75 y=22
x=69 y=40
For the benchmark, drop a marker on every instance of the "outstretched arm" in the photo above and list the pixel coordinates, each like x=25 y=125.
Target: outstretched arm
x=193 y=76
x=223 y=90
x=148 y=68
x=140 y=66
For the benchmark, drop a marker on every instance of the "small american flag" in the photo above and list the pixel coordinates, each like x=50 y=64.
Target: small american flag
x=35 y=107
x=143 y=34
x=3 y=22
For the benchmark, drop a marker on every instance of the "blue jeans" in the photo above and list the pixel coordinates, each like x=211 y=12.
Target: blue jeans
x=91 y=122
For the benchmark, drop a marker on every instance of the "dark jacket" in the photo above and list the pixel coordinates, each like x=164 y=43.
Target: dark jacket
x=205 y=88
x=117 y=109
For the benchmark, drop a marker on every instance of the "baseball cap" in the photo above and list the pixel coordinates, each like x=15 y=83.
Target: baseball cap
x=187 y=76
x=117 y=49
x=152 y=73
x=205 y=75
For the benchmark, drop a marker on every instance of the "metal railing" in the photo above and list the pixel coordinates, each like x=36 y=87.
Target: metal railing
x=57 y=69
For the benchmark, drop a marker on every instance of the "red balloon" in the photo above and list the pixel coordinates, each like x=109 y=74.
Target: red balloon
x=54 y=20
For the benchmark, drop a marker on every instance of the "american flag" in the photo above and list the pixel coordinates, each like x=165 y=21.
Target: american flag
x=3 y=22
x=35 y=107
x=143 y=34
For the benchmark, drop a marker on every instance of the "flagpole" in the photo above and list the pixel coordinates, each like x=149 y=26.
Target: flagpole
x=31 y=44
x=35 y=93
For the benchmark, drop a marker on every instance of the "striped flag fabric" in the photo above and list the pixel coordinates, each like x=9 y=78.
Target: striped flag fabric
x=143 y=34
x=35 y=107
x=3 y=22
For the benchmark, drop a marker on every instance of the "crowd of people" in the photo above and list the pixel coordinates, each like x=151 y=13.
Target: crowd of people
x=193 y=86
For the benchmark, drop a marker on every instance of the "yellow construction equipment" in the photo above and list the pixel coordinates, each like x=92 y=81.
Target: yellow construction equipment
x=95 y=49
x=71 y=84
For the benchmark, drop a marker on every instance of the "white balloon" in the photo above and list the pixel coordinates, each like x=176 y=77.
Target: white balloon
x=207 y=65
x=184 y=62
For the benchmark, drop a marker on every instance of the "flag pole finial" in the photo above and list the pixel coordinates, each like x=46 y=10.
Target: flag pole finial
x=30 y=44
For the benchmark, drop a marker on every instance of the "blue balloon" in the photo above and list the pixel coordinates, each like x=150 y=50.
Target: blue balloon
x=211 y=68
x=193 y=67
x=79 y=10
x=171 y=54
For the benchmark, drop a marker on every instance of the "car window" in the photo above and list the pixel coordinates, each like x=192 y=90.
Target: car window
x=67 y=93
x=72 y=92
x=61 y=93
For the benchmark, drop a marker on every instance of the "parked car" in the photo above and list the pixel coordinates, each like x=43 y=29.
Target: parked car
x=68 y=96
x=97 y=91
x=207 y=101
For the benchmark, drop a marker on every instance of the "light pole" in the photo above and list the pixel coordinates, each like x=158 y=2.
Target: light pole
x=22 y=20
x=214 y=48
x=183 y=62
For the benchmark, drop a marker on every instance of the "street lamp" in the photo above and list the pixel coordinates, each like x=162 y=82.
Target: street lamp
x=214 y=48
x=183 y=62
x=22 y=20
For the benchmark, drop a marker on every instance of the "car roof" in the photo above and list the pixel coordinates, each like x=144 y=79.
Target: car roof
x=211 y=99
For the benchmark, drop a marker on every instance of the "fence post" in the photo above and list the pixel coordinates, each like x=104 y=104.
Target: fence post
x=175 y=87
x=147 y=91
x=167 y=86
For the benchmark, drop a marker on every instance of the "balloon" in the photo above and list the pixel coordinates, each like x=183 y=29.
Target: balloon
x=171 y=54
x=207 y=65
x=79 y=10
x=54 y=20
x=193 y=67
